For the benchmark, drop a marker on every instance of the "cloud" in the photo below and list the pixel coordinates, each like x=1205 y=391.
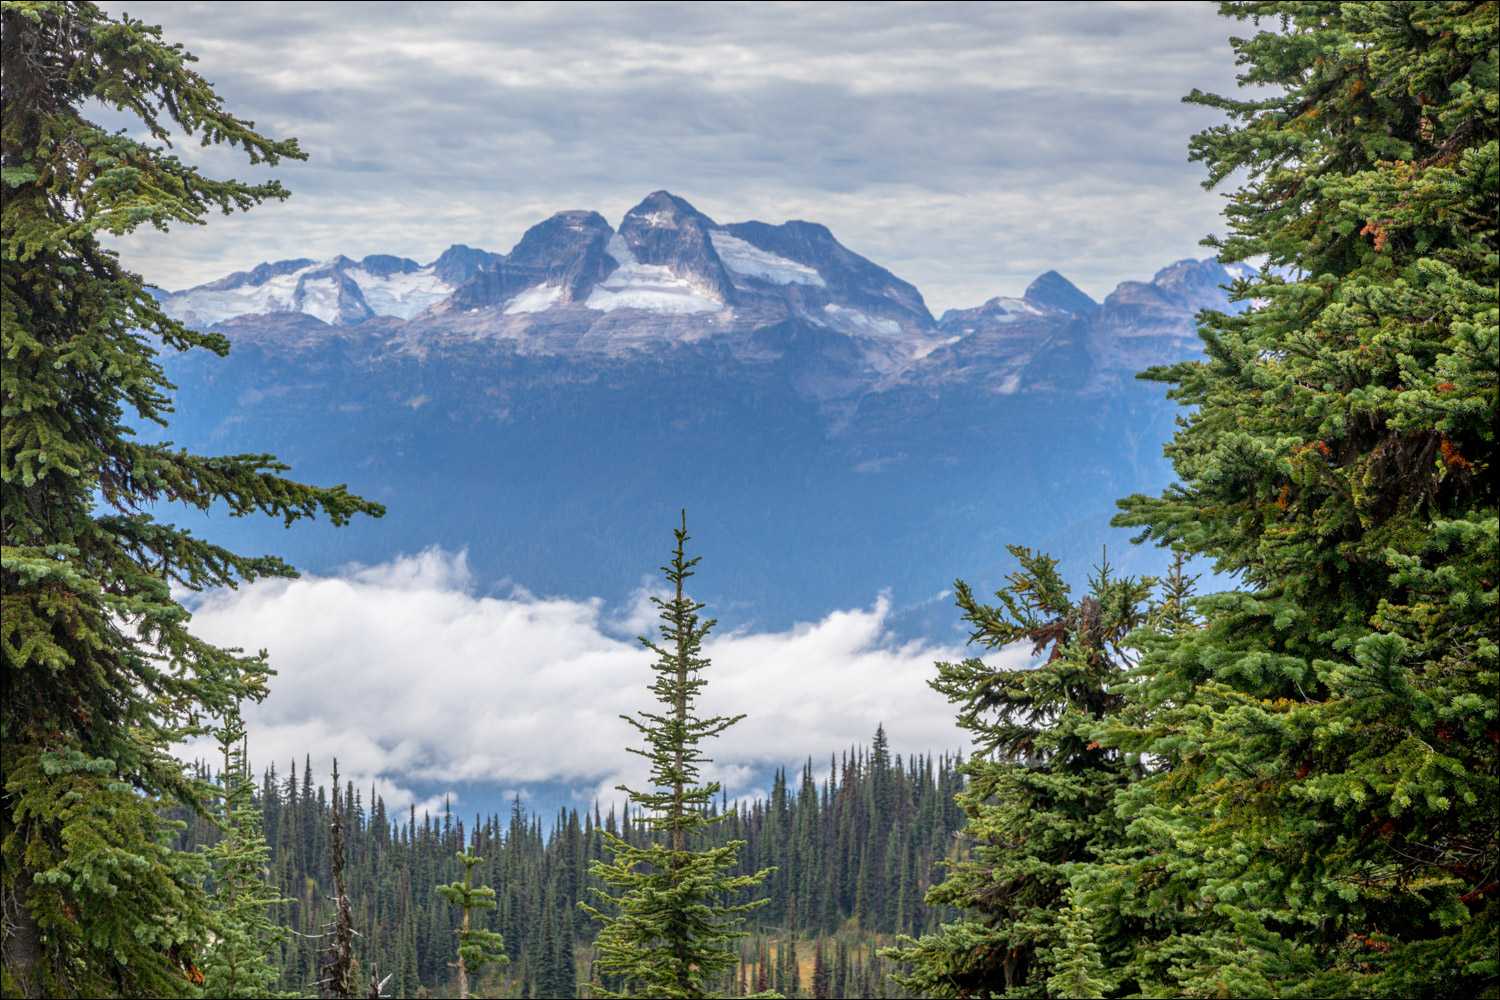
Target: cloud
x=964 y=146
x=413 y=680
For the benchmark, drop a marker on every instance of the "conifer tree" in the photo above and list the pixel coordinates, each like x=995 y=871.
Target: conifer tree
x=238 y=962
x=672 y=935
x=100 y=672
x=820 y=974
x=1328 y=796
x=1139 y=881
x=1042 y=788
x=476 y=947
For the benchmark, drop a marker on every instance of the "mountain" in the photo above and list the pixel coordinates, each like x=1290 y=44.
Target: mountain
x=1056 y=338
x=550 y=408
x=338 y=292
x=575 y=285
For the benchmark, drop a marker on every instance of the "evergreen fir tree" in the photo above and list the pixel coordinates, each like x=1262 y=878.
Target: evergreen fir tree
x=1077 y=970
x=1042 y=787
x=558 y=976
x=1325 y=815
x=820 y=976
x=672 y=933
x=476 y=947
x=100 y=672
x=1132 y=883
x=238 y=963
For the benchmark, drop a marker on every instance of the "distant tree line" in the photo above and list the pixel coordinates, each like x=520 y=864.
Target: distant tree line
x=854 y=856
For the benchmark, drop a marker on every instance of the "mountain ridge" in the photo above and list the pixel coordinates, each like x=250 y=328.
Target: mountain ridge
x=671 y=276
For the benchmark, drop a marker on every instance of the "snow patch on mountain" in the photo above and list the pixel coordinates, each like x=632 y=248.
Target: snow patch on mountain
x=319 y=298
x=650 y=287
x=402 y=295
x=1008 y=310
x=746 y=258
x=534 y=299
x=313 y=289
x=856 y=321
x=928 y=348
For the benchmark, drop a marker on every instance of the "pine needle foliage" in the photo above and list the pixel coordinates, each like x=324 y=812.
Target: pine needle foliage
x=100 y=672
x=239 y=963
x=1041 y=790
x=1329 y=805
x=672 y=935
x=477 y=947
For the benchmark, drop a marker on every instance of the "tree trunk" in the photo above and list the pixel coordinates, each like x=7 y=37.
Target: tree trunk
x=463 y=966
x=23 y=939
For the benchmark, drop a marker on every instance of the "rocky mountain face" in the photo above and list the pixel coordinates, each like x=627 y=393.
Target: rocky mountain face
x=1056 y=338
x=550 y=408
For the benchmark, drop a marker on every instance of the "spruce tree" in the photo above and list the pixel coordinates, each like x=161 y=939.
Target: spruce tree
x=820 y=974
x=1328 y=795
x=1041 y=791
x=100 y=671
x=239 y=963
x=674 y=929
x=1139 y=880
x=476 y=947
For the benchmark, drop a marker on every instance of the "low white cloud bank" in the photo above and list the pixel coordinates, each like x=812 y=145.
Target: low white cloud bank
x=412 y=679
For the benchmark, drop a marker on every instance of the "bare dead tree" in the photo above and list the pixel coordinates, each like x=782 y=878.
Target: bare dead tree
x=338 y=981
x=377 y=986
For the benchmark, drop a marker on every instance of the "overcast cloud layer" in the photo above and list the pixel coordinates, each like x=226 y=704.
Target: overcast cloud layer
x=414 y=680
x=967 y=147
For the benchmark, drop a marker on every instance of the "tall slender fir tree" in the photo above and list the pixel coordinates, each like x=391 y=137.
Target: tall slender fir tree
x=339 y=978
x=238 y=963
x=673 y=931
x=477 y=947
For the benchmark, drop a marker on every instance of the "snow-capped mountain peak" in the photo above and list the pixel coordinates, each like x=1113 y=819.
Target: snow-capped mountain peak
x=339 y=291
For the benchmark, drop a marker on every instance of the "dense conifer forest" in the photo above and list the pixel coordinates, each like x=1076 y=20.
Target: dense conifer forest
x=1288 y=788
x=854 y=855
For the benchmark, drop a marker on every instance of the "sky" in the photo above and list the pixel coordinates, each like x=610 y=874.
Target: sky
x=967 y=147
